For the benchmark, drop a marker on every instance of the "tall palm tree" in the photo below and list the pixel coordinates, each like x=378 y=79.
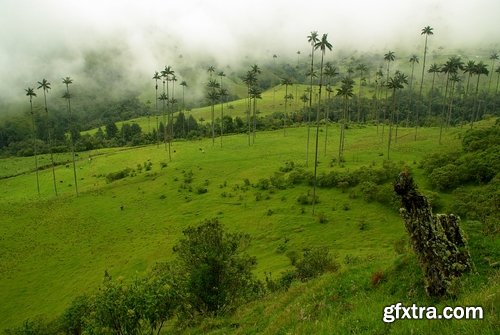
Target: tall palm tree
x=255 y=95
x=413 y=59
x=434 y=69
x=395 y=83
x=494 y=58
x=211 y=70
x=213 y=96
x=322 y=44
x=362 y=68
x=313 y=39
x=45 y=85
x=67 y=81
x=286 y=82
x=222 y=94
x=469 y=68
x=498 y=78
x=168 y=74
x=157 y=77
x=450 y=67
x=346 y=92
x=480 y=70
x=379 y=83
x=31 y=93
x=427 y=31
x=330 y=72
x=250 y=80
x=454 y=78
x=298 y=58
x=388 y=57
x=184 y=85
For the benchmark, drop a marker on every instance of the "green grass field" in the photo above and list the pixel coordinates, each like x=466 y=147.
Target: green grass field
x=54 y=249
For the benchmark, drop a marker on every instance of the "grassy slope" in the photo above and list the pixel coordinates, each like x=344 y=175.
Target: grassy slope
x=54 y=249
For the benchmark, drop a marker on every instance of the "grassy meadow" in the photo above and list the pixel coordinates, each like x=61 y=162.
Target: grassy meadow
x=56 y=248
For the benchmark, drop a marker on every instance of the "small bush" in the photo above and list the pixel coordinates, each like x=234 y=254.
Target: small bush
x=201 y=190
x=113 y=176
x=322 y=218
x=307 y=199
x=314 y=263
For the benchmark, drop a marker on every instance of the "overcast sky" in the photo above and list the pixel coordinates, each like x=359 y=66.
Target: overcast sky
x=43 y=38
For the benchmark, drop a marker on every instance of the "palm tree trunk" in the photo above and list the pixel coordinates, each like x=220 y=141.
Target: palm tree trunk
x=327 y=121
x=72 y=141
x=254 y=117
x=285 y=116
x=390 y=123
x=35 y=147
x=317 y=134
x=49 y=140
x=476 y=99
x=310 y=107
x=444 y=108
x=452 y=91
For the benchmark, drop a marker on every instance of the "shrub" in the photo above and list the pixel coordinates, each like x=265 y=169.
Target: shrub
x=307 y=199
x=322 y=218
x=111 y=177
x=263 y=184
x=218 y=275
x=314 y=263
x=201 y=189
x=289 y=166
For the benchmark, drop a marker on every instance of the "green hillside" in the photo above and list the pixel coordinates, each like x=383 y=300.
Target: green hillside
x=54 y=249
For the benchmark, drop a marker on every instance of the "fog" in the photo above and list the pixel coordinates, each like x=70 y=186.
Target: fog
x=54 y=38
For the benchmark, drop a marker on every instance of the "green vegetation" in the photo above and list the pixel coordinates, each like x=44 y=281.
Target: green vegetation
x=57 y=249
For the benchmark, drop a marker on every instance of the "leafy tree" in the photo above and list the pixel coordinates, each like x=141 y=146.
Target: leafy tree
x=45 y=85
x=111 y=130
x=31 y=93
x=218 y=275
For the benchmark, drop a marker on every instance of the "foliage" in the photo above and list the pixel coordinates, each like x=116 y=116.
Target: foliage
x=113 y=176
x=218 y=275
x=315 y=262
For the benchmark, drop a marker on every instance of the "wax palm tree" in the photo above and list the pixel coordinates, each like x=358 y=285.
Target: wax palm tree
x=379 y=83
x=493 y=58
x=157 y=77
x=213 y=96
x=286 y=82
x=346 y=92
x=394 y=83
x=469 y=68
x=255 y=93
x=480 y=70
x=250 y=80
x=45 y=85
x=427 y=31
x=222 y=95
x=67 y=81
x=454 y=79
x=31 y=93
x=450 y=67
x=434 y=69
x=413 y=59
x=323 y=44
x=211 y=70
x=362 y=69
x=168 y=73
x=330 y=72
x=498 y=78
x=388 y=57
x=312 y=39
x=298 y=58
x=184 y=86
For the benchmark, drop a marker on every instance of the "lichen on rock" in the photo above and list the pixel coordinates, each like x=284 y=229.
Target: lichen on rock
x=437 y=240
